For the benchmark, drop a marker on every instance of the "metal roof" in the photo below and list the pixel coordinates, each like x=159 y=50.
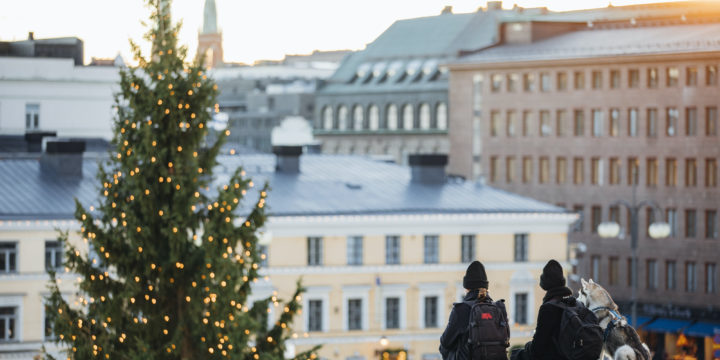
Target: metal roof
x=326 y=185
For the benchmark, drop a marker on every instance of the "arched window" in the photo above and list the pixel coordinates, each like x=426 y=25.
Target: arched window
x=408 y=118
x=358 y=117
x=391 y=117
x=327 y=118
x=424 y=116
x=342 y=117
x=374 y=117
x=441 y=116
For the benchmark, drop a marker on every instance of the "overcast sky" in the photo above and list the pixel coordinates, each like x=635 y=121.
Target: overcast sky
x=252 y=29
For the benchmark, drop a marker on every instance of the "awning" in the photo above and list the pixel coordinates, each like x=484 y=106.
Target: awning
x=703 y=329
x=642 y=320
x=664 y=325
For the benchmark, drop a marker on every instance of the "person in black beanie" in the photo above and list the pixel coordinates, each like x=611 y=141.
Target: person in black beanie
x=543 y=345
x=454 y=338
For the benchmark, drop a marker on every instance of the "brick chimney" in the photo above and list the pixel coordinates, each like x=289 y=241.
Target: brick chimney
x=63 y=158
x=428 y=168
x=446 y=10
x=287 y=159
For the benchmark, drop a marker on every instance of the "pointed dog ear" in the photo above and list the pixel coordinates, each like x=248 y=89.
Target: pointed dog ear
x=584 y=283
x=591 y=281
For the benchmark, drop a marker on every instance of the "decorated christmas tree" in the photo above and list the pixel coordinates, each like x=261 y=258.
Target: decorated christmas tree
x=171 y=258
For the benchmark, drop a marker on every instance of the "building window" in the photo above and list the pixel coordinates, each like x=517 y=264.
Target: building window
x=408 y=117
x=652 y=116
x=425 y=121
x=613 y=274
x=651 y=274
x=358 y=118
x=545 y=127
x=495 y=123
x=633 y=122
x=561 y=170
x=354 y=250
x=512 y=82
x=526 y=123
x=614 y=79
x=392 y=250
x=597 y=80
x=615 y=167
x=354 y=314
x=671 y=124
x=597 y=122
x=477 y=94
x=521 y=247
x=672 y=75
x=315 y=312
x=614 y=122
x=652 y=78
x=595 y=268
x=431 y=312
x=8 y=321
x=328 y=122
x=315 y=251
x=670 y=172
x=8 y=256
x=496 y=81
x=544 y=82
x=711 y=172
x=527 y=170
x=690 y=222
x=32 y=116
x=529 y=82
x=690 y=277
x=562 y=81
x=670 y=283
x=544 y=177
x=711 y=224
x=691 y=76
x=579 y=123
x=652 y=172
x=690 y=172
x=467 y=248
x=392 y=313
x=711 y=75
x=53 y=256
x=671 y=217
x=579 y=80
x=595 y=218
x=511 y=123
x=596 y=171
x=560 y=121
x=431 y=249
x=578 y=171
x=263 y=250
x=510 y=169
x=633 y=78
x=633 y=171
x=711 y=116
x=392 y=117
x=650 y=216
x=710 y=278
x=441 y=116
x=49 y=327
x=521 y=306
x=579 y=224
x=494 y=168
x=373 y=117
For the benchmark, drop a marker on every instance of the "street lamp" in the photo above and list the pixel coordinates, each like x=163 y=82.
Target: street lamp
x=657 y=230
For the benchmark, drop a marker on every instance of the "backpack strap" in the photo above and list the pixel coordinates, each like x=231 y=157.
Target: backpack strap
x=615 y=318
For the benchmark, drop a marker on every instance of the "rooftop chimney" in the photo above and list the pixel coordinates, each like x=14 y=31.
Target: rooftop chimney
x=494 y=5
x=34 y=139
x=31 y=35
x=446 y=10
x=287 y=159
x=62 y=158
x=428 y=168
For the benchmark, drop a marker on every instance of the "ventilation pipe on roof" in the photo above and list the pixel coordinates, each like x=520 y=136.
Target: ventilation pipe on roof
x=34 y=139
x=428 y=168
x=62 y=158
x=287 y=159
x=446 y=10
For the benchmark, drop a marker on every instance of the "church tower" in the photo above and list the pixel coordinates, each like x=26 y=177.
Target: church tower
x=209 y=38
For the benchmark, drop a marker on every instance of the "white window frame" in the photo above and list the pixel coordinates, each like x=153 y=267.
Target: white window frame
x=435 y=258
x=394 y=291
x=473 y=243
x=321 y=293
x=351 y=250
x=32 y=109
x=53 y=256
x=15 y=301
x=522 y=281
x=5 y=253
x=319 y=257
x=431 y=289
x=399 y=249
x=356 y=292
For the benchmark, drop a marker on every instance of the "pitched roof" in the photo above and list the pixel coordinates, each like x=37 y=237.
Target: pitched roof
x=327 y=185
x=608 y=42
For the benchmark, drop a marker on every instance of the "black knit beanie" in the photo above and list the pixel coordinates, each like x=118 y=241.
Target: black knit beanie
x=475 y=277
x=552 y=276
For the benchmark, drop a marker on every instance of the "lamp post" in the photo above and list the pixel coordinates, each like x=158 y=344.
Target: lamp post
x=657 y=230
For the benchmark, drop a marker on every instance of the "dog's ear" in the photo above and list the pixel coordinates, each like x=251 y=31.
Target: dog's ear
x=584 y=283
x=591 y=281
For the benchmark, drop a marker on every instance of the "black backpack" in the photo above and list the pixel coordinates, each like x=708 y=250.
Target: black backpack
x=488 y=334
x=580 y=337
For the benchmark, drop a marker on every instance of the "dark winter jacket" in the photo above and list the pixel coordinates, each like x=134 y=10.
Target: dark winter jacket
x=455 y=333
x=542 y=346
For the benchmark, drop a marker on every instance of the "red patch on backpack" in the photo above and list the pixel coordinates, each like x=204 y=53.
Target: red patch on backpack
x=486 y=316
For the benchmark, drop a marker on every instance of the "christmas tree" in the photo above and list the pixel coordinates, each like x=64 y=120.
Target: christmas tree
x=174 y=260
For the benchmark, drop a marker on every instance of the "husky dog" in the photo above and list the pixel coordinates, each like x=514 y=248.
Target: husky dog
x=620 y=339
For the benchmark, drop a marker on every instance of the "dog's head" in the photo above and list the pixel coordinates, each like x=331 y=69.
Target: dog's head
x=593 y=295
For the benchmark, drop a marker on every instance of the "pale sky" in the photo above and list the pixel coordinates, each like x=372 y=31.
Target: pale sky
x=252 y=29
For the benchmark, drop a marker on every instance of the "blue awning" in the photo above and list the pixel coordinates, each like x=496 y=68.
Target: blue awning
x=642 y=320
x=664 y=325
x=703 y=329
